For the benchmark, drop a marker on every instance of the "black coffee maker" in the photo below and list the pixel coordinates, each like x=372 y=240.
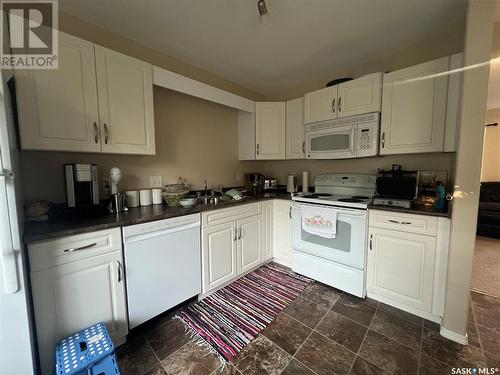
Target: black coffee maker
x=82 y=185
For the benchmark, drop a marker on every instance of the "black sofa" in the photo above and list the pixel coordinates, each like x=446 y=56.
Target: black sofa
x=488 y=219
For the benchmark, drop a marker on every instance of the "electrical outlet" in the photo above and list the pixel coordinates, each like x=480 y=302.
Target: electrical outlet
x=238 y=177
x=155 y=181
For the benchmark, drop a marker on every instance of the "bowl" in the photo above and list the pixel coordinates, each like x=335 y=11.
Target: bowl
x=188 y=202
x=172 y=199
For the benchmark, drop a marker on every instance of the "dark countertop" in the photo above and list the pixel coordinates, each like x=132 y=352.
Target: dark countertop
x=419 y=210
x=64 y=225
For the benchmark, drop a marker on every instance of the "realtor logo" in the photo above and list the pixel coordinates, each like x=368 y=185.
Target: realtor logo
x=29 y=34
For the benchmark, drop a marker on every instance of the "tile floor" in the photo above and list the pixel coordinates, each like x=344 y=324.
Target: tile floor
x=325 y=331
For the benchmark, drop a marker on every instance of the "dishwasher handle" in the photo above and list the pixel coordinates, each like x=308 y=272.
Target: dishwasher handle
x=160 y=232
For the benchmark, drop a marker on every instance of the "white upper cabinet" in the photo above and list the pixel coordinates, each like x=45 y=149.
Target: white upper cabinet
x=320 y=105
x=58 y=108
x=97 y=101
x=270 y=130
x=356 y=97
x=359 y=96
x=414 y=108
x=295 y=129
x=125 y=91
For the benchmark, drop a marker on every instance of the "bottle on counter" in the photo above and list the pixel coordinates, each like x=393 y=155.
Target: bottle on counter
x=440 y=195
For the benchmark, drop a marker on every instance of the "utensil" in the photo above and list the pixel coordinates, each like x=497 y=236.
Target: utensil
x=117 y=203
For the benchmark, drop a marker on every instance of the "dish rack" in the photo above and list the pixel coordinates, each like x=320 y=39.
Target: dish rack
x=173 y=193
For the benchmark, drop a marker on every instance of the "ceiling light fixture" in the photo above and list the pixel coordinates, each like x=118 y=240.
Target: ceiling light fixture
x=261 y=6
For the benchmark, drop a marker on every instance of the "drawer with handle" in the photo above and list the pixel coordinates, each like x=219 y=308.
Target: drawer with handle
x=62 y=250
x=420 y=224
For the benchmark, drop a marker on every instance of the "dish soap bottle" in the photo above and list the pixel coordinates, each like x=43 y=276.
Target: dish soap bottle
x=440 y=195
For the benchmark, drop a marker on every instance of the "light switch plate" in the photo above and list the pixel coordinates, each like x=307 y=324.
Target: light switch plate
x=155 y=181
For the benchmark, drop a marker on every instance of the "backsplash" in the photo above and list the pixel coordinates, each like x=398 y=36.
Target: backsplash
x=281 y=168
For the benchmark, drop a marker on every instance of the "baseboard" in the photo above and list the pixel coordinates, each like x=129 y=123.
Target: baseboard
x=453 y=336
x=283 y=261
x=404 y=307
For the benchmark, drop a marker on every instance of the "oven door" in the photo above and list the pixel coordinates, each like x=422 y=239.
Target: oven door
x=349 y=245
x=331 y=143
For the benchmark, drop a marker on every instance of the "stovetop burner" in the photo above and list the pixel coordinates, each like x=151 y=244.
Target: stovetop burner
x=318 y=195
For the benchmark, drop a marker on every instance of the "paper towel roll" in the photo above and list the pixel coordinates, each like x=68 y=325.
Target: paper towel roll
x=305 y=181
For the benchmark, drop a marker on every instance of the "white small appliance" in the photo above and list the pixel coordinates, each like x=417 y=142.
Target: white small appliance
x=350 y=137
x=163 y=263
x=340 y=261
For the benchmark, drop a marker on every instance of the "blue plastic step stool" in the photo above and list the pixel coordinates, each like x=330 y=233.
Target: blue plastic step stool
x=88 y=352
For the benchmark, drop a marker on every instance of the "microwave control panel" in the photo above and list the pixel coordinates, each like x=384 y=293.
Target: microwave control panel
x=367 y=142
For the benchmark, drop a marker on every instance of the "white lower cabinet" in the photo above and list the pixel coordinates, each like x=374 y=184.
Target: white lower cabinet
x=407 y=263
x=219 y=254
x=249 y=242
x=233 y=242
x=282 y=222
x=76 y=286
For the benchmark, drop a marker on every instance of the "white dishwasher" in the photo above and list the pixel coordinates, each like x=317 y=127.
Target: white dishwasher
x=162 y=265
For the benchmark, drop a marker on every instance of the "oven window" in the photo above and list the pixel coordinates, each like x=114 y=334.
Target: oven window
x=342 y=240
x=331 y=142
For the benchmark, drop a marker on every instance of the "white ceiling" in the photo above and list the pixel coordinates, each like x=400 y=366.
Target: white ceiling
x=300 y=40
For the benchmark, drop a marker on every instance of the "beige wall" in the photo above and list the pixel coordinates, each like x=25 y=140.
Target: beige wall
x=490 y=170
x=478 y=42
x=195 y=139
x=280 y=169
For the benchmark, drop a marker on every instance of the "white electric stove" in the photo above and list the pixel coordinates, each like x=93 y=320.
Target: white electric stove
x=342 y=190
x=341 y=261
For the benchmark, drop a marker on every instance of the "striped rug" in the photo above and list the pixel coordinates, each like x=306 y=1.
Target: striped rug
x=230 y=318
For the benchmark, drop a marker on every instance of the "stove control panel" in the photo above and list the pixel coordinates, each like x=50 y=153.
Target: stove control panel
x=347 y=180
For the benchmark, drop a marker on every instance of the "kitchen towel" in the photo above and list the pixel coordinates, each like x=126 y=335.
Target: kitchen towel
x=319 y=221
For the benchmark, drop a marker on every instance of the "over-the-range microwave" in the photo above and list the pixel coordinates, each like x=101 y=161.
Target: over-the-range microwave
x=350 y=137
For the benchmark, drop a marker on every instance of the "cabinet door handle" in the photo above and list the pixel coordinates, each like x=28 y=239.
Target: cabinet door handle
x=72 y=249
x=96 y=133
x=241 y=233
x=333 y=105
x=304 y=147
x=258 y=148
x=290 y=212
x=106 y=135
x=383 y=139
x=340 y=104
x=235 y=234
x=371 y=239
x=119 y=271
x=400 y=222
